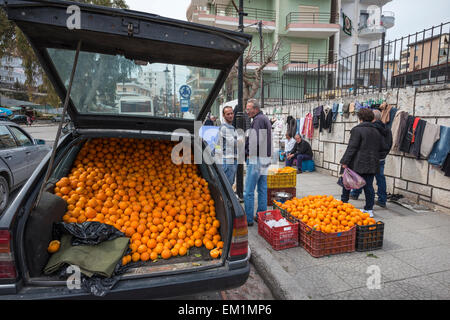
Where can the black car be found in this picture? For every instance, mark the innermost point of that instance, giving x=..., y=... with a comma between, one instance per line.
x=18, y=118
x=110, y=44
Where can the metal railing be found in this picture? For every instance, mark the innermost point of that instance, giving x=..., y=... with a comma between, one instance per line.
x=252, y=13
x=311, y=17
x=421, y=58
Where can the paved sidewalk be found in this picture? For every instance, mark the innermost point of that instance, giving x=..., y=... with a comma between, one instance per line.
x=414, y=262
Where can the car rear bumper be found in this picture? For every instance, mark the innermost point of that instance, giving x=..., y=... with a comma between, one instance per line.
x=221, y=278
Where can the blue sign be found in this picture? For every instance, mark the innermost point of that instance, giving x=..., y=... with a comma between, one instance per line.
x=185, y=91
x=184, y=104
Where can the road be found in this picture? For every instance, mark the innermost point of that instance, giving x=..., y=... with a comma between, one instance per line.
x=253, y=289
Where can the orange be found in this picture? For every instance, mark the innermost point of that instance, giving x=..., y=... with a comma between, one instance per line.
x=135, y=257
x=166, y=254
x=153, y=255
x=214, y=253
x=198, y=243
x=54, y=246
x=145, y=256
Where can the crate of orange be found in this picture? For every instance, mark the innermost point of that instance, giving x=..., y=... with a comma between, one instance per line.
x=281, y=237
x=319, y=244
x=326, y=225
x=282, y=178
x=369, y=237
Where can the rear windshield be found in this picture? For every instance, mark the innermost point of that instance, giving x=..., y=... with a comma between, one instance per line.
x=106, y=84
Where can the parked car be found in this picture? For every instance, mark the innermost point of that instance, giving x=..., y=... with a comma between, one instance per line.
x=59, y=117
x=20, y=154
x=19, y=119
x=112, y=40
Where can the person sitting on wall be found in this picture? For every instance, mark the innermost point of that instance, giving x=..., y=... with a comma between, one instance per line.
x=301, y=151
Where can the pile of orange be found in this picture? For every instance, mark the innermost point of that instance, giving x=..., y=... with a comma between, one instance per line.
x=282, y=170
x=132, y=184
x=325, y=213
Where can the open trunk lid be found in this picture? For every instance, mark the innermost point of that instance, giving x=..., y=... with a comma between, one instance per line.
x=135, y=70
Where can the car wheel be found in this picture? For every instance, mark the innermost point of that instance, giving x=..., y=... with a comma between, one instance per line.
x=4, y=193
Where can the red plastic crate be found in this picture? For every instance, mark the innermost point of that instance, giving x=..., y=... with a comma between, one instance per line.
x=278, y=237
x=319, y=244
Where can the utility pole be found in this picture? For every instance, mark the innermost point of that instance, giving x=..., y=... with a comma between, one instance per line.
x=261, y=56
x=239, y=113
x=174, y=100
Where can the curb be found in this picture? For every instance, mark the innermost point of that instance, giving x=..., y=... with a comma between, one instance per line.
x=275, y=277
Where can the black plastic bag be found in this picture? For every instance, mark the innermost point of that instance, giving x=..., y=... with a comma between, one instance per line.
x=86, y=233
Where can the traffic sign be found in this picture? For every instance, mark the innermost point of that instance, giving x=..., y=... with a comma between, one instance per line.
x=184, y=104
x=185, y=91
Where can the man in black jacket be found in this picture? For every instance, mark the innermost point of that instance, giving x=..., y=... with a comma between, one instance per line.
x=379, y=177
x=301, y=151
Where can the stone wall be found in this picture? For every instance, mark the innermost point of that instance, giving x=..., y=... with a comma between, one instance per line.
x=416, y=180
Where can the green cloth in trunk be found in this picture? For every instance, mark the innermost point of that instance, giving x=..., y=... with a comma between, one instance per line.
x=100, y=259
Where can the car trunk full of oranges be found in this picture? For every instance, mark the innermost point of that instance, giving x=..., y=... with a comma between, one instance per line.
x=164, y=208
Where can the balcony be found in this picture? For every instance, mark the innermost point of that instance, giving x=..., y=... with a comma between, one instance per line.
x=388, y=19
x=226, y=16
x=312, y=25
x=303, y=62
x=371, y=32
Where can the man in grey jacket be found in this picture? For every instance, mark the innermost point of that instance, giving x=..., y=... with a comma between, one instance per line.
x=226, y=149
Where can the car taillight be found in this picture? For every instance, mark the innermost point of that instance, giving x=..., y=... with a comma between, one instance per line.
x=239, y=241
x=7, y=267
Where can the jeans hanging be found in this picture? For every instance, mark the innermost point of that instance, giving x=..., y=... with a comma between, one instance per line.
x=441, y=148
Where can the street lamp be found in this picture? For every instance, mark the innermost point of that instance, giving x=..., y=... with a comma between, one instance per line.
x=167, y=83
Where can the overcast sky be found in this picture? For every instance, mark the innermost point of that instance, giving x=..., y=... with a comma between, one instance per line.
x=410, y=15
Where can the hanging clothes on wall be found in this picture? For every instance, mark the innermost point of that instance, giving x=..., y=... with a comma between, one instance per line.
x=405, y=141
x=392, y=114
x=446, y=166
x=441, y=148
x=345, y=110
x=326, y=119
x=385, y=112
x=308, y=127
x=291, y=126
x=417, y=138
x=431, y=134
x=302, y=123
x=316, y=116
x=398, y=129
x=351, y=108
x=334, y=111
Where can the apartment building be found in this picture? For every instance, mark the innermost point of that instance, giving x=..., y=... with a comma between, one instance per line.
x=428, y=57
x=308, y=31
x=11, y=71
x=363, y=23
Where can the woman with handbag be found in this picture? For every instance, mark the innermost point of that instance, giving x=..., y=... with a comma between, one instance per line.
x=363, y=156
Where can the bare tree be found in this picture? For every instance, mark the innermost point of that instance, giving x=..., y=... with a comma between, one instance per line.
x=251, y=78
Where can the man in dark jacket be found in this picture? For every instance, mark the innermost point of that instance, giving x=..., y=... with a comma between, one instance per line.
x=301, y=151
x=363, y=156
x=258, y=148
x=379, y=177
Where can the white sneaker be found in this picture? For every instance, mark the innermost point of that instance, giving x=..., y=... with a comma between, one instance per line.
x=370, y=212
